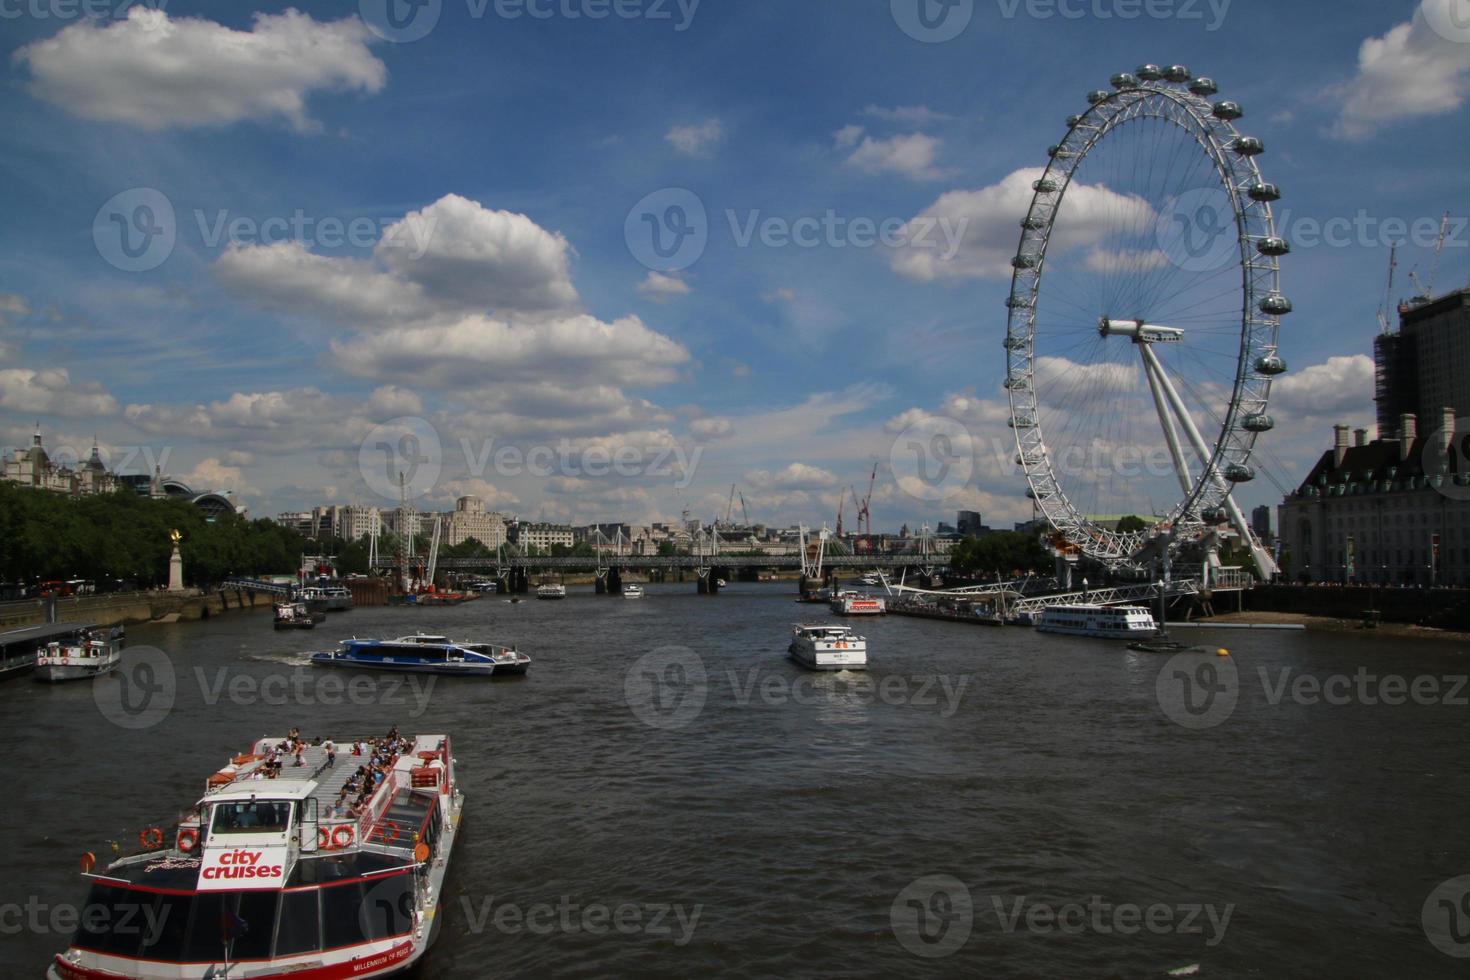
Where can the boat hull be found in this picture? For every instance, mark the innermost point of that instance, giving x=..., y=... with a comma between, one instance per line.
x=406, y=666
x=56, y=673
x=825, y=660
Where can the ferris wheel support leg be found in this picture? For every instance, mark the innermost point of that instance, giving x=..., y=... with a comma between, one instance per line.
x=1171, y=435
x=1263, y=559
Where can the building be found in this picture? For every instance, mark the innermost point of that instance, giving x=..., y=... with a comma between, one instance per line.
x=34, y=468
x=969, y=524
x=357, y=522
x=540, y=536
x=1425, y=365
x=1261, y=522
x=401, y=522
x=469, y=520
x=1393, y=510
x=214, y=503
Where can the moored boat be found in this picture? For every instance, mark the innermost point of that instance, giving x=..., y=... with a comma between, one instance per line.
x=91, y=651
x=849, y=603
x=313, y=870
x=633, y=591
x=828, y=648
x=1091, y=619
x=551, y=590
x=295, y=616
x=426, y=653
x=19, y=648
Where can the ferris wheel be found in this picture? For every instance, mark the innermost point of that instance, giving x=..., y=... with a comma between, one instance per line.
x=1143, y=315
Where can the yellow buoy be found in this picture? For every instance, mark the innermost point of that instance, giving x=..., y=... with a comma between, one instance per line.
x=1222, y=652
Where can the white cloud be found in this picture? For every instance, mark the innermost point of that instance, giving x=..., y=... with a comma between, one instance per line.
x=1102, y=381
x=660, y=288
x=847, y=137
x=51, y=391
x=493, y=497
x=1419, y=68
x=709, y=430
x=991, y=222
x=909, y=156
x=911, y=115
x=12, y=304
x=796, y=476
x=1341, y=385
x=155, y=72
x=696, y=140
x=210, y=474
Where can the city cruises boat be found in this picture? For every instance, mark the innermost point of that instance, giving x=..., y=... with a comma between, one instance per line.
x=633, y=591
x=551, y=590
x=850, y=603
x=19, y=648
x=872, y=579
x=425, y=653
x=828, y=648
x=277, y=872
x=1090, y=619
x=91, y=651
x=295, y=616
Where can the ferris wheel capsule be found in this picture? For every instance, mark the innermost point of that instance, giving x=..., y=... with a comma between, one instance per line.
x=1123, y=80
x=1204, y=87
x=1096, y=96
x=1227, y=111
x=1149, y=73
x=1177, y=74
x=1248, y=146
x=1275, y=304
x=1263, y=193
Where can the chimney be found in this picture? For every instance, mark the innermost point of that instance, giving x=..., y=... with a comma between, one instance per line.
x=1360, y=437
x=1446, y=429
x=1408, y=432
x=1339, y=445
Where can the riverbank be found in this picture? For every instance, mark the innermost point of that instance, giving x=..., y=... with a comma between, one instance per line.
x=131, y=608
x=1333, y=624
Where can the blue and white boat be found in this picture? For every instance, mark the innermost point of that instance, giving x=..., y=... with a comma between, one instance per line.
x=426, y=653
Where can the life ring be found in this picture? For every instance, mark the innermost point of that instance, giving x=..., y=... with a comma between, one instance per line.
x=89, y=861
x=392, y=832
x=152, y=838
x=323, y=839
x=342, y=836
x=188, y=838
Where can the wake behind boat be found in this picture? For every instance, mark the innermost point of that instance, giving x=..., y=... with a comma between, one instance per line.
x=426, y=653
x=330, y=866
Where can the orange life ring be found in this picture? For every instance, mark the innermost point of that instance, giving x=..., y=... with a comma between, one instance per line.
x=342, y=836
x=89, y=861
x=323, y=839
x=152, y=838
x=188, y=838
x=392, y=832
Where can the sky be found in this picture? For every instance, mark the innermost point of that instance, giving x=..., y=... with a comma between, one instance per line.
x=598, y=260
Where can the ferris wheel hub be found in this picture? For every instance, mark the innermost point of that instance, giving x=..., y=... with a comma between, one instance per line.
x=1138, y=331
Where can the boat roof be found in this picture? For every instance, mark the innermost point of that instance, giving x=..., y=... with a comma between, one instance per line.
x=314, y=778
x=42, y=633
x=823, y=628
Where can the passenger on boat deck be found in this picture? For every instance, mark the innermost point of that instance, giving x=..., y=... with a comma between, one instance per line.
x=331, y=748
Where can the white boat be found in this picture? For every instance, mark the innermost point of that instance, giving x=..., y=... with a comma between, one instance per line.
x=551, y=591
x=276, y=872
x=632, y=591
x=849, y=603
x=872, y=579
x=1090, y=619
x=828, y=648
x=89, y=652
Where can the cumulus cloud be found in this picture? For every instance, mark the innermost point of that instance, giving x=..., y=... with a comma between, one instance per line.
x=1340, y=385
x=990, y=222
x=909, y=115
x=156, y=72
x=1419, y=68
x=12, y=304
x=660, y=288
x=210, y=474
x=910, y=156
x=51, y=391
x=796, y=476
x=711, y=429
x=696, y=140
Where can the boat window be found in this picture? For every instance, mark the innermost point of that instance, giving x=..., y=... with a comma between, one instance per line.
x=255, y=920
x=301, y=930
x=164, y=937
x=387, y=906
x=114, y=921
x=208, y=929
x=252, y=817
x=342, y=919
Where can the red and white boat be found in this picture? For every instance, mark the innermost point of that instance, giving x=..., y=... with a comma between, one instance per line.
x=850, y=603
x=269, y=876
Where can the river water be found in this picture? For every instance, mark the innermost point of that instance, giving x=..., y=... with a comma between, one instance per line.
x=665, y=795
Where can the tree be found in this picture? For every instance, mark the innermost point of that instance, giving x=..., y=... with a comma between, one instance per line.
x=1006, y=553
x=1131, y=524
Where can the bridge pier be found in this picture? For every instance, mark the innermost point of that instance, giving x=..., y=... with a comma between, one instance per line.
x=809, y=587
x=708, y=583
x=614, y=581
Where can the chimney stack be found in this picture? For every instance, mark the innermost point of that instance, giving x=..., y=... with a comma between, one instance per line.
x=1446, y=429
x=1360, y=437
x=1408, y=432
x=1339, y=445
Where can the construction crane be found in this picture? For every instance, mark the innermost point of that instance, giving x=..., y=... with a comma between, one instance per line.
x=1393, y=262
x=865, y=516
x=841, y=499
x=743, y=512
x=730, y=507
x=1426, y=288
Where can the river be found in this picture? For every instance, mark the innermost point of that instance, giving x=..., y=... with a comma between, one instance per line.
x=665, y=795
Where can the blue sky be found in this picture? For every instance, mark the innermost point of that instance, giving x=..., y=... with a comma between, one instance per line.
x=517, y=147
